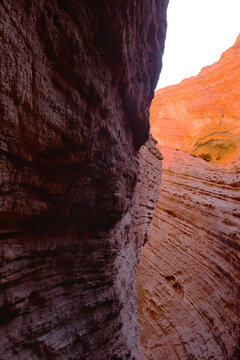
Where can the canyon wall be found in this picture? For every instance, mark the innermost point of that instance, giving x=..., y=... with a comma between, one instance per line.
x=76, y=82
x=189, y=275
x=201, y=115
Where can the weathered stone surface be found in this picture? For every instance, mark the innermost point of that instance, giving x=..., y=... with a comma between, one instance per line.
x=189, y=275
x=201, y=115
x=71, y=293
x=149, y=179
x=76, y=82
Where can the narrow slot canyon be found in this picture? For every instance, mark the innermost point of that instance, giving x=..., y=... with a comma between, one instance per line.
x=119, y=215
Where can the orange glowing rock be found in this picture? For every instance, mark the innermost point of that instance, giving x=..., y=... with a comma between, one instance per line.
x=201, y=115
x=188, y=278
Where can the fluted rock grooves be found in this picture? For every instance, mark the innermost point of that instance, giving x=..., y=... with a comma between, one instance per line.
x=76, y=82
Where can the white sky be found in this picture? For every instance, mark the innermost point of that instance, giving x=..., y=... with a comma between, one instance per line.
x=198, y=32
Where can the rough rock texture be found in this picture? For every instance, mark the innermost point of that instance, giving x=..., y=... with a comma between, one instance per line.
x=76, y=81
x=73, y=295
x=149, y=179
x=189, y=275
x=201, y=115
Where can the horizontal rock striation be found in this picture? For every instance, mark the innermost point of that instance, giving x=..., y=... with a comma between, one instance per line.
x=188, y=278
x=149, y=179
x=71, y=293
x=189, y=275
x=76, y=82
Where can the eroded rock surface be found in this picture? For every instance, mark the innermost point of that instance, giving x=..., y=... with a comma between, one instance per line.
x=76, y=82
x=189, y=275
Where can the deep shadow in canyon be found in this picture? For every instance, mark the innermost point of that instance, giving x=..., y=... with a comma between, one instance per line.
x=76, y=82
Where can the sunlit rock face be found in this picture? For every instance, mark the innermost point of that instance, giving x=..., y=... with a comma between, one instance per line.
x=189, y=275
x=201, y=115
x=76, y=82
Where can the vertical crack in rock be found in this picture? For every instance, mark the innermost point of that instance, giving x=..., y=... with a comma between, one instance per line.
x=76, y=82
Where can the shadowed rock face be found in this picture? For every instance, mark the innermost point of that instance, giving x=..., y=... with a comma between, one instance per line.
x=76, y=82
x=75, y=93
x=189, y=274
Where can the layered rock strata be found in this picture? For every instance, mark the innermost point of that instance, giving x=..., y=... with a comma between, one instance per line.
x=76, y=82
x=71, y=293
x=189, y=274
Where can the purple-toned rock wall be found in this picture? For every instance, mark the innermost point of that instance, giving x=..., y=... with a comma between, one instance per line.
x=76, y=83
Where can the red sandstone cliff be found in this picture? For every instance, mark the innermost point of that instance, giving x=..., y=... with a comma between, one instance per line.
x=201, y=115
x=189, y=275
x=76, y=82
